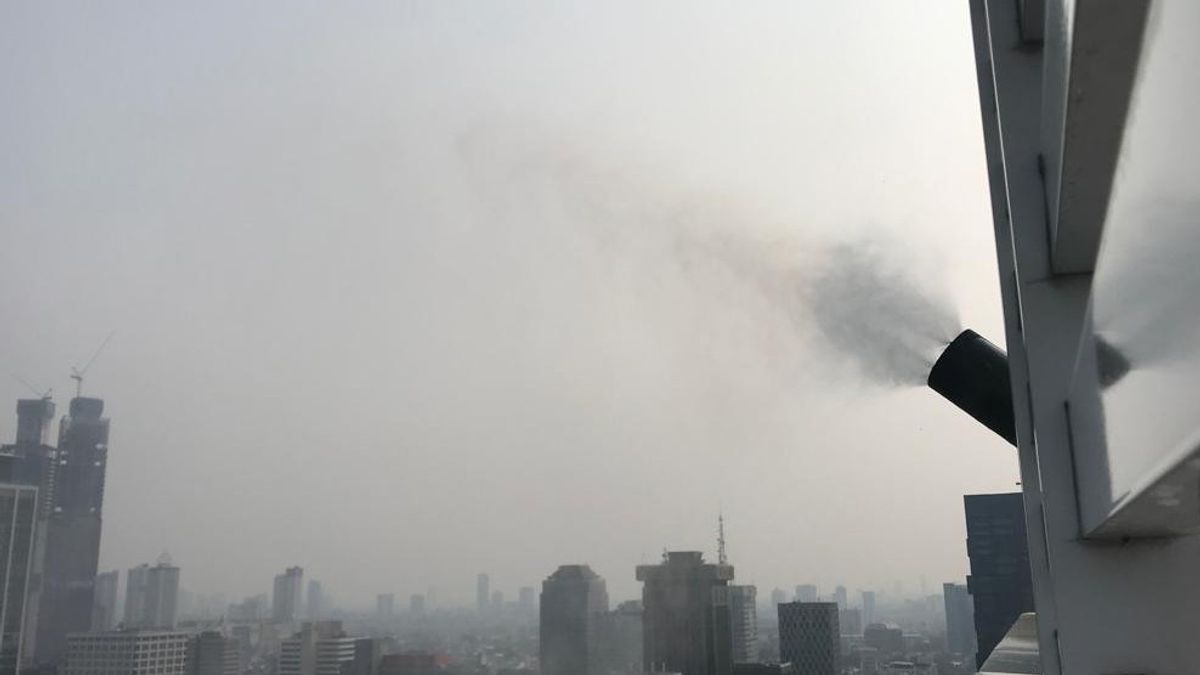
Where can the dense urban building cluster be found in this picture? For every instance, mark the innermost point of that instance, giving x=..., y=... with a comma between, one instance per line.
x=61, y=614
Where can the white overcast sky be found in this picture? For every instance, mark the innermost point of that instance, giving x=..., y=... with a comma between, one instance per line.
x=397, y=292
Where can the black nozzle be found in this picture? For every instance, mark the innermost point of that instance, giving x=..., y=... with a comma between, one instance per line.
x=973, y=374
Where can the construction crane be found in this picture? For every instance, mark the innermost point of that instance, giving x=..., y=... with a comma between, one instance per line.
x=78, y=373
x=44, y=395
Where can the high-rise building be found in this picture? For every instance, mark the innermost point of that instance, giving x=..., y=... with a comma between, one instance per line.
x=806, y=593
x=809, y=637
x=686, y=622
x=482, y=592
x=18, y=532
x=960, y=619
x=868, y=607
x=620, y=638
x=527, y=600
x=215, y=654
x=850, y=622
x=319, y=648
x=840, y=597
x=285, y=602
x=29, y=461
x=497, y=600
x=1000, y=584
x=778, y=597
x=152, y=595
x=385, y=605
x=743, y=614
x=315, y=606
x=140, y=652
x=573, y=600
x=34, y=416
x=72, y=551
x=416, y=603
x=104, y=604
x=162, y=595
x=368, y=654
x=135, y=595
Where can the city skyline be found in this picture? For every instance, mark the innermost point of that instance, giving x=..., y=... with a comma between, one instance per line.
x=472, y=276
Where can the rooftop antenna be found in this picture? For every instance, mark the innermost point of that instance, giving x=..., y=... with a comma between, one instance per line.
x=721, y=559
x=44, y=395
x=78, y=373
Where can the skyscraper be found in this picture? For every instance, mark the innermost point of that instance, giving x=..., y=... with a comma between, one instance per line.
x=743, y=614
x=285, y=601
x=18, y=530
x=573, y=600
x=1000, y=583
x=806, y=593
x=315, y=605
x=104, y=604
x=482, y=592
x=686, y=622
x=868, y=608
x=960, y=619
x=385, y=605
x=135, y=595
x=809, y=637
x=778, y=597
x=73, y=530
x=162, y=595
x=416, y=603
x=620, y=638
x=839, y=596
x=527, y=600
x=152, y=595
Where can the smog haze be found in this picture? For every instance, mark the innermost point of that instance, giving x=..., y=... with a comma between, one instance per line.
x=405, y=292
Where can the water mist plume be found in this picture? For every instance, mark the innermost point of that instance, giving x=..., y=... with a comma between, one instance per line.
x=870, y=309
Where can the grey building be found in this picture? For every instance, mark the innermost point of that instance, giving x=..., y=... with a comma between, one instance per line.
x=840, y=597
x=527, y=600
x=686, y=622
x=743, y=616
x=131, y=652
x=806, y=593
x=315, y=605
x=319, y=648
x=31, y=462
x=620, y=638
x=72, y=550
x=162, y=595
x=850, y=622
x=104, y=603
x=1000, y=583
x=135, y=595
x=482, y=592
x=778, y=597
x=285, y=601
x=960, y=619
x=18, y=532
x=810, y=637
x=416, y=603
x=385, y=605
x=574, y=598
x=213, y=653
x=868, y=608
x=152, y=595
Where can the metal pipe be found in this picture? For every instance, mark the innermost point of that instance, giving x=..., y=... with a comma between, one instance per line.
x=972, y=373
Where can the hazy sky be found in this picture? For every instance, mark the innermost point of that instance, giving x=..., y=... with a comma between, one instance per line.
x=407, y=291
